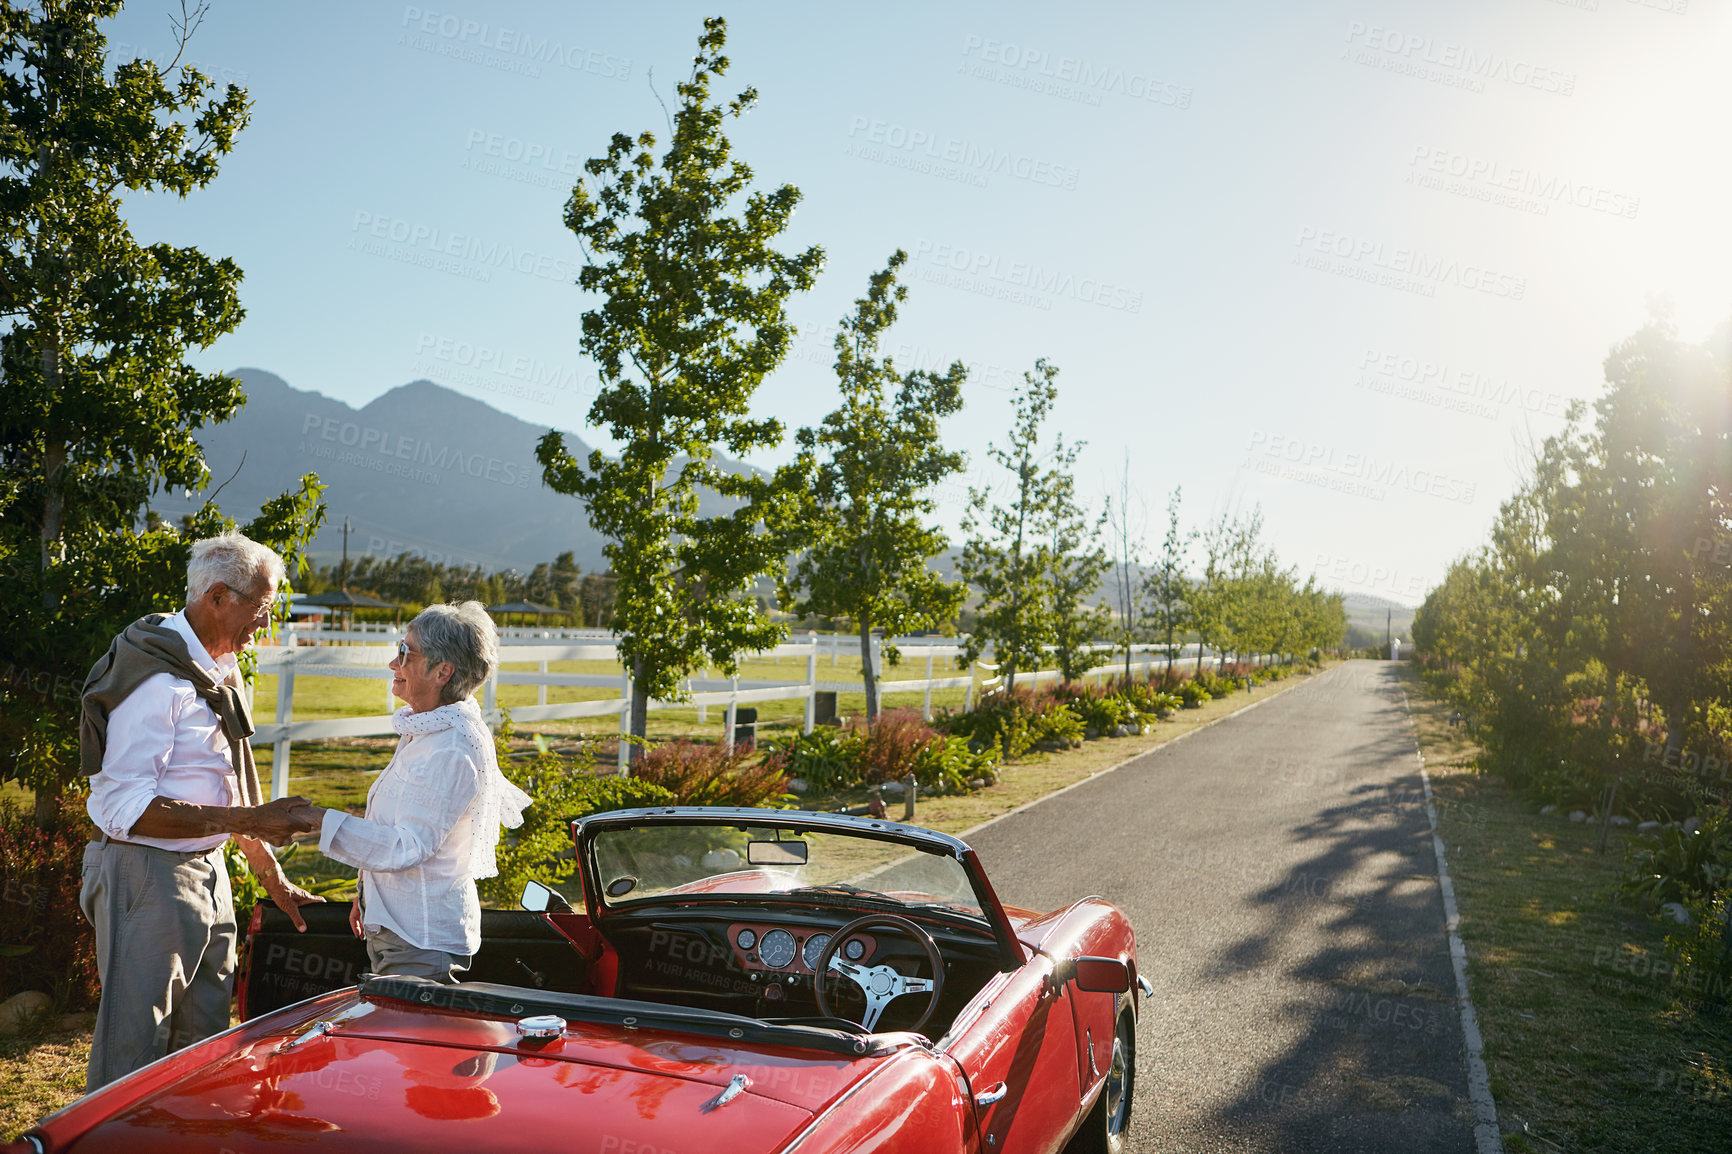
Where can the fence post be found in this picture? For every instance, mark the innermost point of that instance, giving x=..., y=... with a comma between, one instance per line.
x=541, y=690
x=285, y=714
x=625, y=723
x=490, y=692
x=733, y=704
x=926, y=705
x=812, y=684
x=703, y=710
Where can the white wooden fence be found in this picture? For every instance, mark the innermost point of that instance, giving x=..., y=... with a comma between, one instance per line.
x=369, y=660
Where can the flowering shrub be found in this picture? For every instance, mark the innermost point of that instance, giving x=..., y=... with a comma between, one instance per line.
x=701, y=773
x=46, y=944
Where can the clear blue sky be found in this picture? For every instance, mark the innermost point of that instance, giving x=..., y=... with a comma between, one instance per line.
x=1342, y=260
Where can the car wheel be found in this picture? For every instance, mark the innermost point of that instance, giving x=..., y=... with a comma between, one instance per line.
x=1107, y=1128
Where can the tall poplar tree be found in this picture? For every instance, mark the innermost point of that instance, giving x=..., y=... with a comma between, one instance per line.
x=99, y=404
x=690, y=320
x=869, y=498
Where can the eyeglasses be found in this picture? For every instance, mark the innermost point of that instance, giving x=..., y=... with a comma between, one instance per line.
x=404, y=652
x=261, y=605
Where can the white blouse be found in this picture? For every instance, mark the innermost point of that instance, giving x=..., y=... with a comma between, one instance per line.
x=431, y=829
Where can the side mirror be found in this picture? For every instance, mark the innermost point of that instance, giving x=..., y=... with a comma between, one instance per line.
x=538, y=898
x=1102, y=975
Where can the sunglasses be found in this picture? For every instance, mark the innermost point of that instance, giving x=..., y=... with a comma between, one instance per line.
x=404, y=652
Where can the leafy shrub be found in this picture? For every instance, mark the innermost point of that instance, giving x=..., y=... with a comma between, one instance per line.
x=998, y=722
x=563, y=789
x=702, y=773
x=46, y=944
x=828, y=757
x=1192, y=694
x=1216, y=685
x=1102, y=709
x=901, y=742
x=249, y=891
x=1704, y=950
x=1670, y=865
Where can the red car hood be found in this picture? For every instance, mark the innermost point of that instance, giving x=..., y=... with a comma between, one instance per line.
x=407, y=1079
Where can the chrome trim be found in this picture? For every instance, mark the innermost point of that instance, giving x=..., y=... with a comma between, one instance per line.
x=1143, y=985
x=541, y=1026
x=991, y=1095
x=736, y=1085
x=323, y=1027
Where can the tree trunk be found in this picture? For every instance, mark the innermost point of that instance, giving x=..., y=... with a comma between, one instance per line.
x=868, y=672
x=48, y=805
x=639, y=712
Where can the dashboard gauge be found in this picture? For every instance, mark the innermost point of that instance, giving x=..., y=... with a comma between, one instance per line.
x=777, y=949
x=855, y=949
x=815, y=946
x=746, y=939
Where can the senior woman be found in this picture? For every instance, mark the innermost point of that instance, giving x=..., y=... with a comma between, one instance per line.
x=433, y=815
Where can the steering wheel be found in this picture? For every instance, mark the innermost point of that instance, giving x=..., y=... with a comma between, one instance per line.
x=881, y=984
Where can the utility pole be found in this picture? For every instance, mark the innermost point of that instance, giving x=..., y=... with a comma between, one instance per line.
x=344, y=581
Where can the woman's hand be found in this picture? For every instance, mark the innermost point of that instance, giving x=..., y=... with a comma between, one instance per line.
x=355, y=918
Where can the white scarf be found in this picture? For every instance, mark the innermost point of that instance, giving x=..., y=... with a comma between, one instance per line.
x=498, y=802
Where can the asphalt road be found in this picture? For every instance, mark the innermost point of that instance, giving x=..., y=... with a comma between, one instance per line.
x=1279, y=872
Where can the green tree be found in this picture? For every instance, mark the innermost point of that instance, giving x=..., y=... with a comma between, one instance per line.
x=100, y=405
x=1007, y=559
x=881, y=455
x=1167, y=588
x=691, y=319
x=1076, y=562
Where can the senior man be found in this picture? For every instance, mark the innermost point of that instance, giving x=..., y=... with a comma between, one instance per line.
x=164, y=736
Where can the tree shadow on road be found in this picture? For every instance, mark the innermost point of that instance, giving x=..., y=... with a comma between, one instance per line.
x=1358, y=924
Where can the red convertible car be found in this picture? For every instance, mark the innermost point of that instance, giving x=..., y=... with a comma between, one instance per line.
x=729, y=980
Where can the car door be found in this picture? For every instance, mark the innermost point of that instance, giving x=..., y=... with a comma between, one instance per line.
x=1019, y=1055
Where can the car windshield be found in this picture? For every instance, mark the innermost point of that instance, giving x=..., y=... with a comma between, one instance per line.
x=650, y=861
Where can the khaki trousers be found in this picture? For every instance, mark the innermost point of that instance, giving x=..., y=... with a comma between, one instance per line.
x=165, y=952
x=389, y=954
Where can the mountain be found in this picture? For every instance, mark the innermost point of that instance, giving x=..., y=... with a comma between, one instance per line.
x=419, y=469
x=1370, y=617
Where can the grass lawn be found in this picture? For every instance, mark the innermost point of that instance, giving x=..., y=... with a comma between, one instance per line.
x=1586, y=1043
x=45, y=1072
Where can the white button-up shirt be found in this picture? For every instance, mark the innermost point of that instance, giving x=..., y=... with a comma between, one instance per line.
x=414, y=846
x=165, y=741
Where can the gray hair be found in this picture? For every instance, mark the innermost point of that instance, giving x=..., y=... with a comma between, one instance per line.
x=462, y=634
x=235, y=560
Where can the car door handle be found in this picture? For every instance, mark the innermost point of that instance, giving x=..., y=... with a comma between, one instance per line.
x=995, y=1094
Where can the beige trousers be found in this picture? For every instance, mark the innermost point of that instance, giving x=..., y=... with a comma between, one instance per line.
x=165, y=952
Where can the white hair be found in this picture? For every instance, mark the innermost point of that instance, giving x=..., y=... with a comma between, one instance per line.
x=235, y=560
x=462, y=634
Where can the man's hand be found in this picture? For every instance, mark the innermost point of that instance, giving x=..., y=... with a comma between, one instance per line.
x=277, y=821
x=289, y=897
x=355, y=918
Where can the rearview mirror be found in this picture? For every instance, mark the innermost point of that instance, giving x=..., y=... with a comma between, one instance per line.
x=776, y=853
x=1102, y=975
